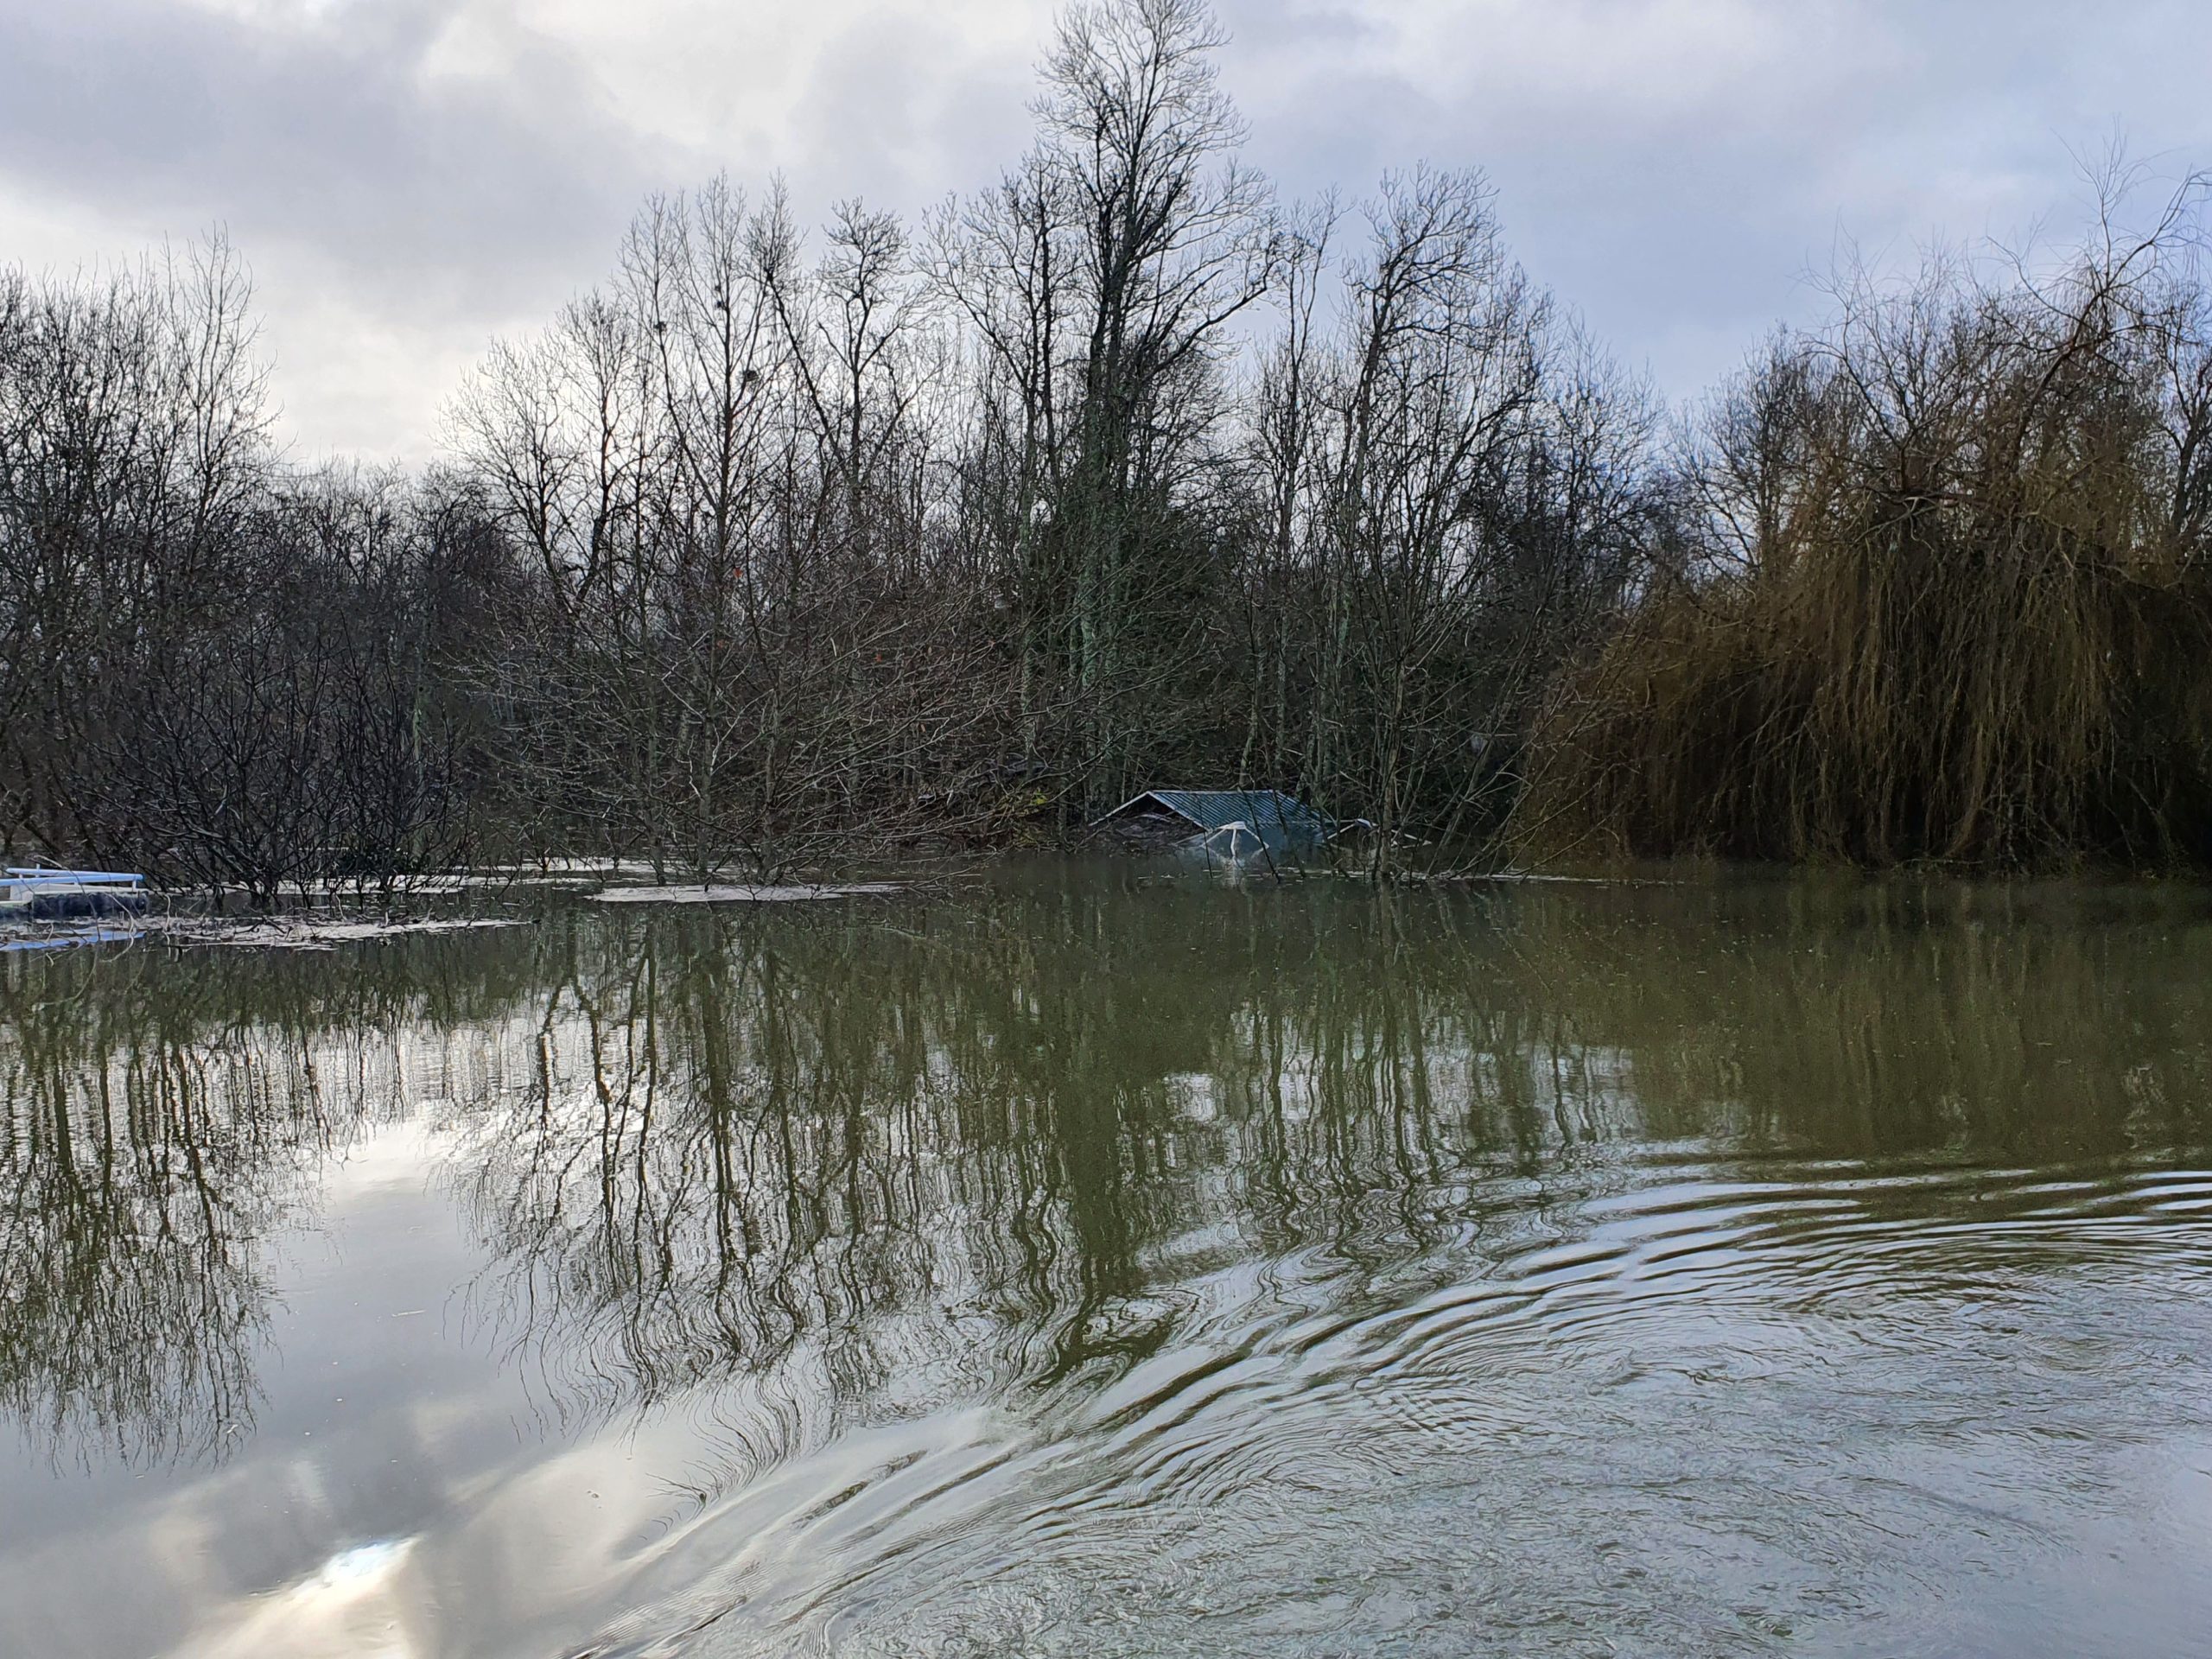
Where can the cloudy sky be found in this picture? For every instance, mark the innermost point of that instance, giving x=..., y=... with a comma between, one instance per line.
x=409, y=178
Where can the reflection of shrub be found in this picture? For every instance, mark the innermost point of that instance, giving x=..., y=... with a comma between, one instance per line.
x=1949, y=599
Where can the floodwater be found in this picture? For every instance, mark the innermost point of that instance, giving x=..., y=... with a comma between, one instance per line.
x=1062, y=1264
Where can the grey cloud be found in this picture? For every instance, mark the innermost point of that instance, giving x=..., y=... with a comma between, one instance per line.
x=902, y=112
x=328, y=134
x=1672, y=168
x=1293, y=25
x=1684, y=225
x=862, y=120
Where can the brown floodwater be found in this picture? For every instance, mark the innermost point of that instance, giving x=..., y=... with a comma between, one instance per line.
x=1069, y=1262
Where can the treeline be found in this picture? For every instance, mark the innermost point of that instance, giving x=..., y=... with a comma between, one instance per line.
x=784, y=544
x=212, y=665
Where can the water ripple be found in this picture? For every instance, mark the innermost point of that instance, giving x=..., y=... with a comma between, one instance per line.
x=1675, y=1372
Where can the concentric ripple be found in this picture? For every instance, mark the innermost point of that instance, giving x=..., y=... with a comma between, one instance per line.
x=1697, y=1413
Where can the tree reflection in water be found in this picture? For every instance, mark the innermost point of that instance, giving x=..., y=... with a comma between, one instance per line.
x=871, y=1164
x=161, y=1118
x=864, y=1162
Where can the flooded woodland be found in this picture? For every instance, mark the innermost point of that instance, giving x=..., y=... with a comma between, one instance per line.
x=1072, y=1261
x=1719, y=1165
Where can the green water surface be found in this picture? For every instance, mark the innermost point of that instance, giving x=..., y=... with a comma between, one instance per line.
x=1068, y=1262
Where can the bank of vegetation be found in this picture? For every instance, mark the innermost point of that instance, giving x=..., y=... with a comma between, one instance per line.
x=797, y=542
x=1944, y=593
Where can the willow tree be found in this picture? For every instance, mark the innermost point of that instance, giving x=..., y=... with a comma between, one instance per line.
x=1945, y=591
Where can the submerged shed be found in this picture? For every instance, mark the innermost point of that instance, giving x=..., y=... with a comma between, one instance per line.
x=1244, y=821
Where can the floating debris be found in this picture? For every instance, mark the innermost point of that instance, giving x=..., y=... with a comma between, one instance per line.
x=279, y=933
x=740, y=895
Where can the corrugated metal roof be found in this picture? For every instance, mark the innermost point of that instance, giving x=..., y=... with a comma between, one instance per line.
x=1262, y=809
